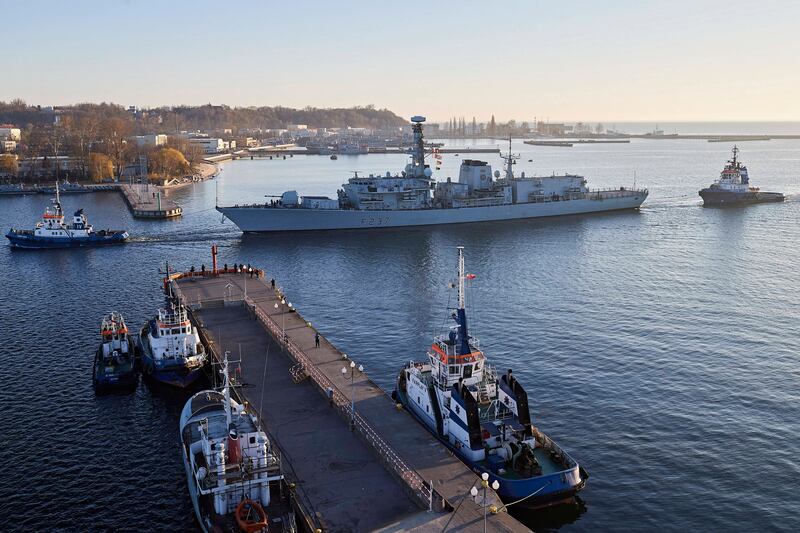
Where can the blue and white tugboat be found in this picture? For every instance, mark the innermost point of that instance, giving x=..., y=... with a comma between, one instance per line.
x=231, y=469
x=53, y=232
x=484, y=418
x=114, y=361
x=171, y=349
x=733, y=187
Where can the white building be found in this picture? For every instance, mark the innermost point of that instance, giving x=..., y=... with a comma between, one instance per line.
x=211, y=145
x=156, y=139
x=10, y=133
x=8, y=146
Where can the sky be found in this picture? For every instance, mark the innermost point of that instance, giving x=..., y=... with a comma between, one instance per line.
x=702, y=60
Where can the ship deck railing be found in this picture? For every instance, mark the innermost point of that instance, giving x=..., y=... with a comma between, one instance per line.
x=548, y=444
x=469, y=203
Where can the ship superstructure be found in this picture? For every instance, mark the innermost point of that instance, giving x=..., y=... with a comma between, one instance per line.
x=171, y=349
x=231, y=468
x=733, y=187
x=484, y=417
x=53, y=232
x=413, y=198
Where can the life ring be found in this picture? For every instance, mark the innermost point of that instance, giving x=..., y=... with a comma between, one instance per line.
x=245, y=519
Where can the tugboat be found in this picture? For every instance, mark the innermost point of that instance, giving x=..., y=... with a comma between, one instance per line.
x=231, y=469
x=484, y=419
x=171, y=349
x=52, y=232
x=733, y=187
x=114, y=361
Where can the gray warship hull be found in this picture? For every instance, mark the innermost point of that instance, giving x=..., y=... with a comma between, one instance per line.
x=265, y=218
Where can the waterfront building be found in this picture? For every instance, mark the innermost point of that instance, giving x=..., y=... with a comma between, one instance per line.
x=154, y=140
x=210, y=145
x=9, y=132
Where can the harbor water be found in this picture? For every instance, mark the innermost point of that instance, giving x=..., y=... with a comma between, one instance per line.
x=659, y=347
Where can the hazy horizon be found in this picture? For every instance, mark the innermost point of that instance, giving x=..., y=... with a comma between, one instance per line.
x=707, y=61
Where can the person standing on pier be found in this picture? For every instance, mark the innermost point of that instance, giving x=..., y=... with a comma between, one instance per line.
x=316, y=338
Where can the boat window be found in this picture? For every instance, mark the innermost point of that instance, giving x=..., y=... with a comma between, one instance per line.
x=175, y=331
x=453, y=370
x=467, y=371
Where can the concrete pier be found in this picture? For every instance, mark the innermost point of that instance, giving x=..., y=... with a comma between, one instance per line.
x=149, y=201
x=359, y=463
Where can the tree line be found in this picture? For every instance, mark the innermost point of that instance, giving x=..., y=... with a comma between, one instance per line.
x=97, y=137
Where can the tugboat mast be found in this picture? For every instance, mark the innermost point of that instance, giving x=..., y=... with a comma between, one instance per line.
x=226, y=390
x=461, y=277
x=58, y=199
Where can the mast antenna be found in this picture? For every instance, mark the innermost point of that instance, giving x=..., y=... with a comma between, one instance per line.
x=461, y=277
x=227, y=389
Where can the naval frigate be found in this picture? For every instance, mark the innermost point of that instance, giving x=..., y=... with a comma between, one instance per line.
x=413, y=198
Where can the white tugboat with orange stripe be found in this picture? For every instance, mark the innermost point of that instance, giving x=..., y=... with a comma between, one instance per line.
x=171, y=349
x=53, y=232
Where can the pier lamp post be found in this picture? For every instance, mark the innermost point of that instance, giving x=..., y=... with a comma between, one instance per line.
x=352, y=391
x=485, y=484
x=283, y=320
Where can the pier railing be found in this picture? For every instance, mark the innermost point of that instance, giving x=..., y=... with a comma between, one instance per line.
x=421, y=489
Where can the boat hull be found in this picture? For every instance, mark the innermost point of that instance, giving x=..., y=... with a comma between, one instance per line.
x=169, y=374
x=175, y=376
x=258, y=219
x=115, y=381
x=537, y=491
x=28, y=241
x=717, y=198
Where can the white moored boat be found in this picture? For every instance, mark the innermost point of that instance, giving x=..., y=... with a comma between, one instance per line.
x=233, y=474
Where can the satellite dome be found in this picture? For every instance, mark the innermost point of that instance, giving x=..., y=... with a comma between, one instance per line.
x=496, y=173
x=428, y=172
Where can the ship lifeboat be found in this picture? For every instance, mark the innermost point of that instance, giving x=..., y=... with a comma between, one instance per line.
x=250, y=516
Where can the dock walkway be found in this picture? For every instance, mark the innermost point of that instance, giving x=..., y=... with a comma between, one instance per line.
x=148, y=201
x=305, y=399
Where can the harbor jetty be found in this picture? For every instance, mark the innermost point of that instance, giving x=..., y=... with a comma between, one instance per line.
x=275, y=153
x=355, y=460
x=149, y=201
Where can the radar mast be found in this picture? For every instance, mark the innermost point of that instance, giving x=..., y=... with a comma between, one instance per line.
x=510, y=159
x=417, y=167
